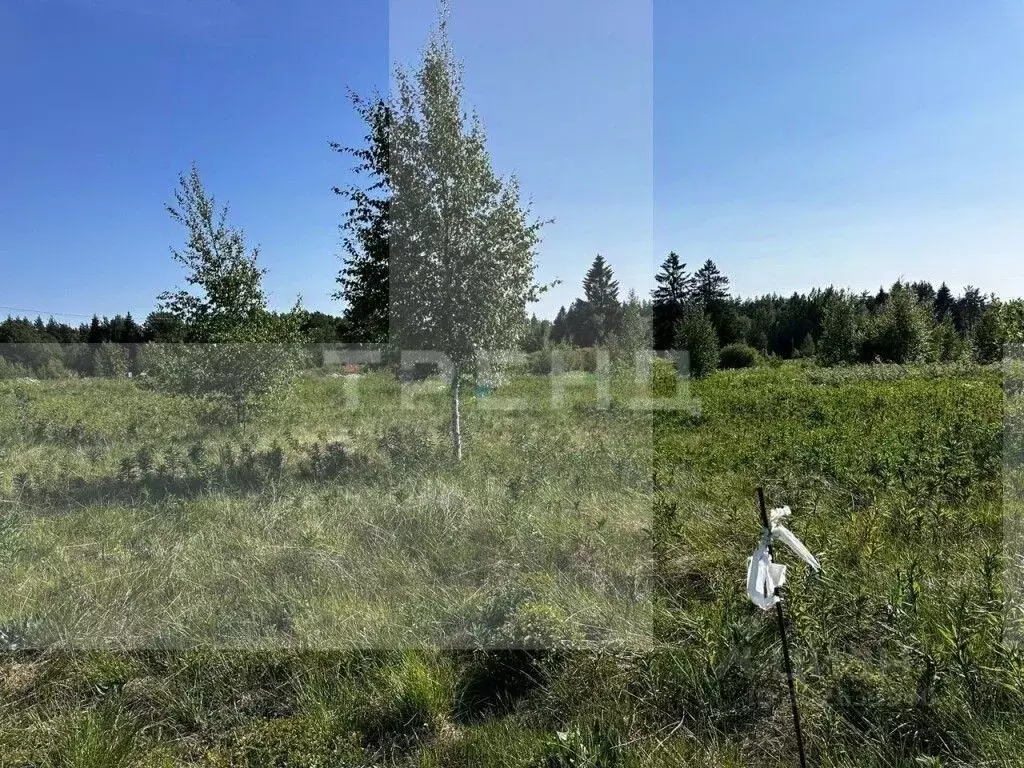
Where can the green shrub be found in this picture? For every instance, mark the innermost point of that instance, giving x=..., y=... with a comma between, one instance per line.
x=696, y=335
x=739, y=355
x=900, y=332
x=54, y=368
x=244, y=377
x=109, y=360
x=12, y=370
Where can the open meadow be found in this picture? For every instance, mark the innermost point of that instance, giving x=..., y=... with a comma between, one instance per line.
x=324, y=587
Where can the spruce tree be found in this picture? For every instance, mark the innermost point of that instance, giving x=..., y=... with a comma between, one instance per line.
x=95, y=333
x=924, y=290
x=559, y=331
x=944, y=303
x=364, y=277
x=968, y=310
x=602, y=296
x=711, y=287
x=808, y=349
x=670, y=296
x=579, y=325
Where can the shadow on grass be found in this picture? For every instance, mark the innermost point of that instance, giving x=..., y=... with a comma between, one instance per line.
x=140, y=479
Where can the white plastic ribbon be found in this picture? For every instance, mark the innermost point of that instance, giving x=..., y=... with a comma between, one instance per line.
x=765, y=576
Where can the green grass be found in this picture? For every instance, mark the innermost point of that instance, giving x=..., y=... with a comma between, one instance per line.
x=326, y=588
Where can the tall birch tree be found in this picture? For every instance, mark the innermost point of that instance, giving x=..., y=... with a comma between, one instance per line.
x=463, y=245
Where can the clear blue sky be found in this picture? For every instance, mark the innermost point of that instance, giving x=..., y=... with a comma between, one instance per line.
x=796, y=144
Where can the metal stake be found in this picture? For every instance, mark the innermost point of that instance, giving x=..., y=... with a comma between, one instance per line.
x=781, y=619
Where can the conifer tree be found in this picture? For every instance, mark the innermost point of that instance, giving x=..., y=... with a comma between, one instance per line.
x=363, y=282
x=670, y=296
x=944, y=303
x=602, y=297
x=711, y=287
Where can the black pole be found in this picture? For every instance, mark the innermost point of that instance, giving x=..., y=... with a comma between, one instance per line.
x=781, y=619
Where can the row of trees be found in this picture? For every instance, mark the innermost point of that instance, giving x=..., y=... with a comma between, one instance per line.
x=906, y=323
x=909, y=322
x=158, y=327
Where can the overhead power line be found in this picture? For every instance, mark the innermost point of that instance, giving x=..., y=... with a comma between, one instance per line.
x=43, y=312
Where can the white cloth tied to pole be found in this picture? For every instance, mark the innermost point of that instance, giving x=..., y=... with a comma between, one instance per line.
x=765, y=576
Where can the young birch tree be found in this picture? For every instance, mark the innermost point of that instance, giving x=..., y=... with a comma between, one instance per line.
x=463, y=246
x=238, y=352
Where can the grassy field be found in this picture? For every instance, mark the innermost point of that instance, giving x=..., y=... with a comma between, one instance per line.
x=326, y=588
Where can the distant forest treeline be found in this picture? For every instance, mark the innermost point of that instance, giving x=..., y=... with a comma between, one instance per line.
x=908, y=322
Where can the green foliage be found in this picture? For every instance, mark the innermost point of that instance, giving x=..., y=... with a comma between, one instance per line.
x=739, y=356
x=674, y=288
x=300, y=741
x=696, y=335
x=946, y=344
x=239, y=354
x=12, y=370
x=54, y=368
x=633, y=334
x=839, y=338
x=363, y=282
x=1012, y=318
x=229, y=281
x=601, y=304
x=110, y=360
x=988, y=335
x=462, y=245
x=576, y=748
x=807, y=349
x=900, y=333
x=410, y=447
x=711, y=287
x=244, y=378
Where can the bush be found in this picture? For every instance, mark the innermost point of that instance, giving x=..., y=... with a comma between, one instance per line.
x=696, y=335
x=11, y=370
x=572, y=358
x=54, y=368
x=739, y=355
x=109, y=360
x=577, y=358
x=246, y=377
x=900, y=332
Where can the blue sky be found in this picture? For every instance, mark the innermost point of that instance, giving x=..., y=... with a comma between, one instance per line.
x=796, y=144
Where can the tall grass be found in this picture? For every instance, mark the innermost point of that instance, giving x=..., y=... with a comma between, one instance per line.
x=395, y=609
